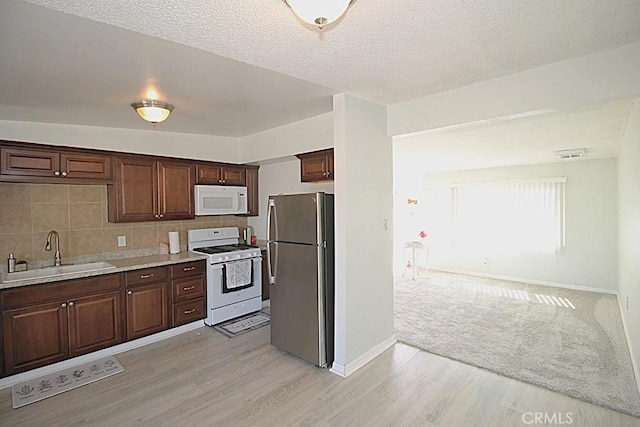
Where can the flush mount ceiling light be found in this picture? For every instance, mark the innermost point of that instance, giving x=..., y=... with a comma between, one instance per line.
x=319, y=12
x=153, y=111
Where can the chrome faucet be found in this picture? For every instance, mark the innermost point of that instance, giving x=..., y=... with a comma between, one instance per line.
x=47, y=247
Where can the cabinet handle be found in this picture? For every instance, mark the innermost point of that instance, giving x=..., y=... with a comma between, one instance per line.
x=129, y=292
x=70, y=303
x=155, y=216
x=188, y=268
x=63, y=305
x=161, y=216
x=57, y=173
x=188, y=288
x=146, y=276
x=64, y=174
x=189, y=311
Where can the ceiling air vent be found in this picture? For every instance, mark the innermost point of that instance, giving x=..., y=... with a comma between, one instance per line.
x=575, y=153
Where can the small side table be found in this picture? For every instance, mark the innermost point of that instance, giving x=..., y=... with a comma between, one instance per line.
x=415, y=247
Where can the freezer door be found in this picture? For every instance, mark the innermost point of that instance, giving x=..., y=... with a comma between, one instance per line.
x=297, y=303
x=295, y=218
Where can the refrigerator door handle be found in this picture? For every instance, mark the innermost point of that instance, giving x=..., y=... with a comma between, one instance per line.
x=271, y=271
x=272, y=221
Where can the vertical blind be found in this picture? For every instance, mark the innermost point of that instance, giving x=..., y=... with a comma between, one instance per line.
x=524, y=215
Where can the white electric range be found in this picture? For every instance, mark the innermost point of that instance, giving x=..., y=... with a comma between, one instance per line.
x=234, y=273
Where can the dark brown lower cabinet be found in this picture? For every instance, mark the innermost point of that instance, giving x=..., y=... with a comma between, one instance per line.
x=94, y=323
x=35, y=336
x=48, y=323
x=147, y=309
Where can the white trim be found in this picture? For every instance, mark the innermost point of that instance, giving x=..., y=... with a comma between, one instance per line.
x=120, y=348
x=635, y=367
x=375, y=351
x=531, y=281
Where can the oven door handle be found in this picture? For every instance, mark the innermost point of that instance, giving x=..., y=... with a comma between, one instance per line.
x=271, y=268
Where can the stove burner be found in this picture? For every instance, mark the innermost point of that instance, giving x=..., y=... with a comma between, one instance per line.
x=210, y=250
x=223, y=248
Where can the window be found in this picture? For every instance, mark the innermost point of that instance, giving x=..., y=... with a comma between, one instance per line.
x=524, y=215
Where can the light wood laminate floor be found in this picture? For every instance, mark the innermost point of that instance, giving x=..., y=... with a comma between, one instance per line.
x=204, y=378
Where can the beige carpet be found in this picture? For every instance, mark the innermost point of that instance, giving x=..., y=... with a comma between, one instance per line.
x=564, y=340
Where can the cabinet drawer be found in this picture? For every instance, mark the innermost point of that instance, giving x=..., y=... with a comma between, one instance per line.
x=188, y=288
x=188, y=311
x=147, y=275
x=27, y=295
x=188, y=269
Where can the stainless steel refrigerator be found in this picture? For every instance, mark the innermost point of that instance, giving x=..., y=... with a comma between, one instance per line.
x=300, y=264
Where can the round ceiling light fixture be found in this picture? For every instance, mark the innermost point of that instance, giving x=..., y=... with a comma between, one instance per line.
x=152, y=111
x=319, y=12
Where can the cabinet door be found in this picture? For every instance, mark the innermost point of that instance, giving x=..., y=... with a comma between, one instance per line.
x=330, y=175
x=147, y=310
x=220, y=174
x=94, y=323
x=85, y=166
x=253, y=201
x=233, y=175
x=316, y=166
x=209, y=174
x=133, y=196
x=35, y=336
x=176, y=181
x=29, y=162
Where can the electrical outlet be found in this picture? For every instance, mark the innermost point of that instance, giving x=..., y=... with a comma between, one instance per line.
x=122, y=241
x=485, y=262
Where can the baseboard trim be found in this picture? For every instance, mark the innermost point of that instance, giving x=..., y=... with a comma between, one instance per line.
x=636, y=371
x=520, y=280
x=375, y=351
x=111, y=351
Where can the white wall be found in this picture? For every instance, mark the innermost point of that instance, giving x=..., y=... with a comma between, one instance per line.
x=181, y=145
x=364, y=204
x=314, y=133
x=589, y=259
x=281, y=178
x=629, y=233
x=591, y=79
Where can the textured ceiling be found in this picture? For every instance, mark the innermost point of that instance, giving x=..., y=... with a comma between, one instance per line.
x=386, y=51
x=234, y=67
x=528, y=140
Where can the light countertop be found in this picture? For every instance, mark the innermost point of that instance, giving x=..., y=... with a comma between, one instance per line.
x=122, y=264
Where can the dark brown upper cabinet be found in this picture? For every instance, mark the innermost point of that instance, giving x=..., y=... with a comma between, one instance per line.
x=316, y=166
x=253, y=200
x=149, y=189
x=219, y=174
x=51, y=165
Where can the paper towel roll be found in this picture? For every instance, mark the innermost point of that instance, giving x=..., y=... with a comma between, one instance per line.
x=174, y=242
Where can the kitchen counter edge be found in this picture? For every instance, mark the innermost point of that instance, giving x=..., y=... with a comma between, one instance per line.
x=123, y=264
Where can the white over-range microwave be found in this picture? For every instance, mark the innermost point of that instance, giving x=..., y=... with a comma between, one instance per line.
x=220, y=200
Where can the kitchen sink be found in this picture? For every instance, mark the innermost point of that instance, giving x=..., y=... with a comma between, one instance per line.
x=56, y=271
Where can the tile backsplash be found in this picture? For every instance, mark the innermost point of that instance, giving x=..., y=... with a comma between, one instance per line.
x=79, y=214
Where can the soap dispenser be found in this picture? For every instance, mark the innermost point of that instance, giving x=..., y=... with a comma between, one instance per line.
x=11, y=263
